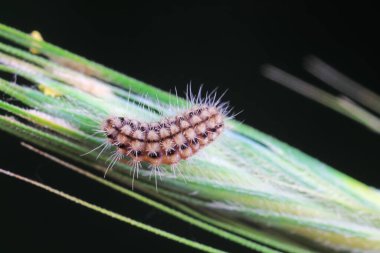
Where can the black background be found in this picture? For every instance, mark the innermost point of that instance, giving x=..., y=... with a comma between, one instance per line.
x=219, y=44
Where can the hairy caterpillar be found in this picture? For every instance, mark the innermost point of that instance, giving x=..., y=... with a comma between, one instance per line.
x=171, y=139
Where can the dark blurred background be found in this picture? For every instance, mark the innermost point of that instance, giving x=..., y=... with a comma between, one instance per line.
x=216, y=43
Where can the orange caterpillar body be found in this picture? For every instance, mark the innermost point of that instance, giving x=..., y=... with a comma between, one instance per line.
x=168, y=141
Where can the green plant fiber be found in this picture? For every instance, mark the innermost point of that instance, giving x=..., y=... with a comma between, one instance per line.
x=246, y=187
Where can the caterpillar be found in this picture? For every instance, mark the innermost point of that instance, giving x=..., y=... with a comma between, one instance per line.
x=167, y=141
x=171, y=139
